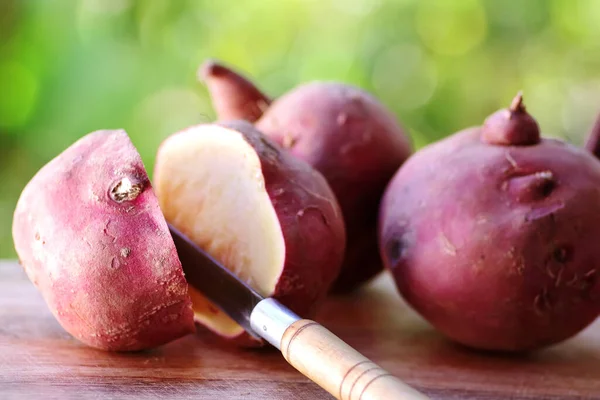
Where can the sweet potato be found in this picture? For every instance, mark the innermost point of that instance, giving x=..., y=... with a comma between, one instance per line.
x=90, y=234
x=357, y=144
x=269, y=217
x=491, y=235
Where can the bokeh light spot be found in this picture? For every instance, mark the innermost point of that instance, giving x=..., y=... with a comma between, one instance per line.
x=451, y=27
x=357, y=7
x=576, y=20
x=163, y=113
x=580, y=109
x=95, y=16
x=545, y=101
x=18, y=94
x=105, y=6
x=404, y=77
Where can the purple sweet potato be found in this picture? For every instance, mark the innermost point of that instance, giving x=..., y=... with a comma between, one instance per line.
x=357, y=144
x=90, y=235
x=491, y=235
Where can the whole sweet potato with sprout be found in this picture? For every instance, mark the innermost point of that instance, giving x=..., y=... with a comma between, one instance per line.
x=491, y=234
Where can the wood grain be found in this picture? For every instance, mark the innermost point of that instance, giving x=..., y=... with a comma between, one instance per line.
x=338, y=368
x=38, y=360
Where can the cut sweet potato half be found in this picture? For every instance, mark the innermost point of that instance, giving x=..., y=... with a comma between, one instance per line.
x=268, y=217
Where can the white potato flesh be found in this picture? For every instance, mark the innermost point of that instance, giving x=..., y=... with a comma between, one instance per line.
x=210, y=186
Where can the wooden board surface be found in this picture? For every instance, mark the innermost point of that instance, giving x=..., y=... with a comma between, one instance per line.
x=38, y=360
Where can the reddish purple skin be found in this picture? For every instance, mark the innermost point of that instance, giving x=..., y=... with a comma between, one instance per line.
x=311, y=222
x=108, y=271
x=357, y=144
x=233, y=96
x=493, y=255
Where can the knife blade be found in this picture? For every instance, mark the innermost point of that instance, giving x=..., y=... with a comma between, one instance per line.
x=306, y=345
x=216, y=282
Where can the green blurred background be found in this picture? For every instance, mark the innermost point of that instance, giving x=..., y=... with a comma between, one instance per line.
x=69, y=67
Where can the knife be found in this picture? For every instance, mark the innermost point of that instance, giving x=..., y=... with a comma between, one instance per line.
x=306, y=345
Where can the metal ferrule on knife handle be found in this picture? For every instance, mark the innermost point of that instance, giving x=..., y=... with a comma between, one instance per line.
x=324, y=358
x=270, y=319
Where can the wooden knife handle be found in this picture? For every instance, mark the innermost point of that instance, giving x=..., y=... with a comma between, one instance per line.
x=338, y=368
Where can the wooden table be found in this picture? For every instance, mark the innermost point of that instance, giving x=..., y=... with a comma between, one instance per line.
x=38, y=360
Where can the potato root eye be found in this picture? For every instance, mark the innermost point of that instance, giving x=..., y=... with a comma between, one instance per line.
x=126, y=190
x=532, y=187
x=395, y=250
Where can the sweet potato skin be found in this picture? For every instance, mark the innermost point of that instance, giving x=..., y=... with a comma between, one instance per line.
x=311, y=221
x=108, y=270
x=496, y=245
x=357, y=144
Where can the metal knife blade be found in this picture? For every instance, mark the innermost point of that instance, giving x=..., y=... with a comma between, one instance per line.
x=234, y=297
